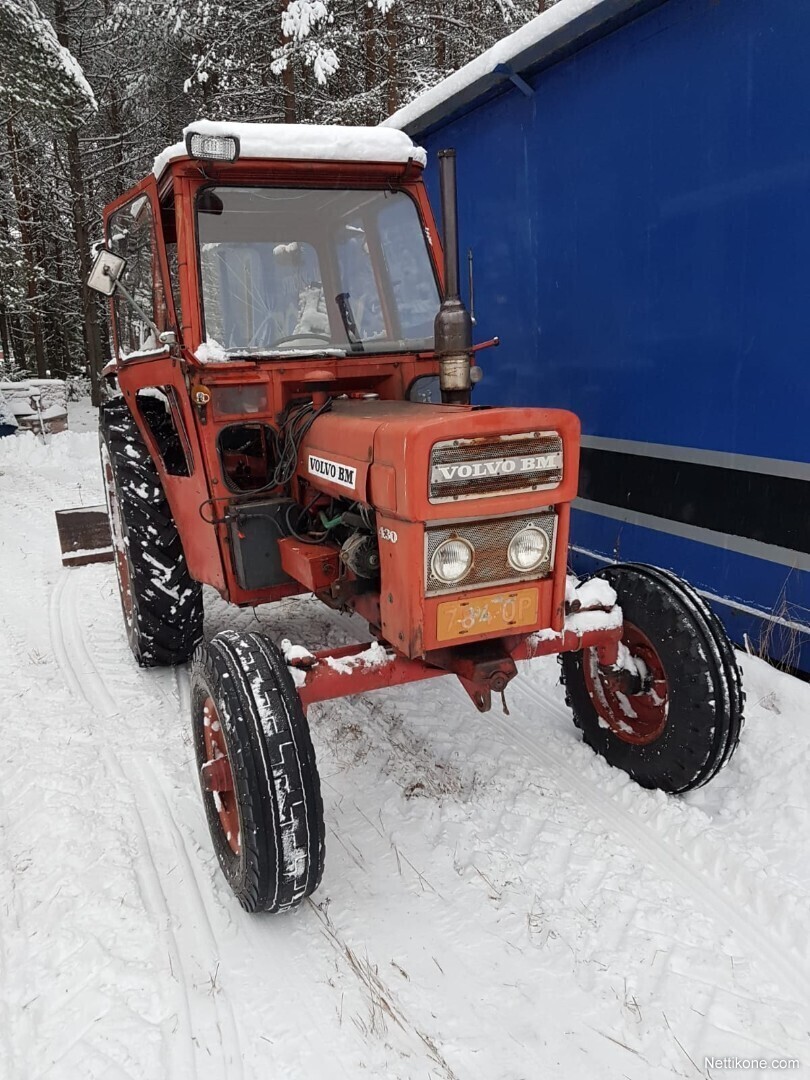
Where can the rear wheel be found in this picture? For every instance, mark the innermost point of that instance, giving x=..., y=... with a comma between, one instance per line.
x=679, y=721
x=258, y=773
x=162, y=604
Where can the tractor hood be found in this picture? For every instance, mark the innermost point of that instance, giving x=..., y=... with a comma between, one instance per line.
x=421, y=462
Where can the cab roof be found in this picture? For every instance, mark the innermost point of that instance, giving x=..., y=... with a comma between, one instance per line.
x=303, y=142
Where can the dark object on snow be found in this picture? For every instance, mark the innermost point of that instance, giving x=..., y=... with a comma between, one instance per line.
x=8, y=419
x=84, y=535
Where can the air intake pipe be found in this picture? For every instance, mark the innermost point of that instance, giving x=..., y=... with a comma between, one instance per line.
x=453, y=326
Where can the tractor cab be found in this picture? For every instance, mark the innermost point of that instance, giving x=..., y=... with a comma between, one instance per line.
x=247, y=256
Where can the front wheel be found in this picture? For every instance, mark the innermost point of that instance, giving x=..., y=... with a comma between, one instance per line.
x=257, y=770
x=680, y=721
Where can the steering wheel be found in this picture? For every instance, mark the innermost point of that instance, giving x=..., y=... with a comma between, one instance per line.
x=299, y=337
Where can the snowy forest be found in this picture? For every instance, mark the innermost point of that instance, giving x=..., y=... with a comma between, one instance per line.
x=91, y=90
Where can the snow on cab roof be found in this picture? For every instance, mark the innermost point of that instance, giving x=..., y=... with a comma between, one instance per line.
x=304, y=142
x=567, y=25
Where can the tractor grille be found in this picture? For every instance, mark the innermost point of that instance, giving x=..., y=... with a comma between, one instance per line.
x=478, y=468
x=490, y=539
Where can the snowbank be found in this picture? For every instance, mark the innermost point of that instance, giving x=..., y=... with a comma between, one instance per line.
x=68, y=456
x=304, y=142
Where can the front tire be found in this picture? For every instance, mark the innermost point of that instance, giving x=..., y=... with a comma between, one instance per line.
x=161, y=602
x=684, y=724
x=257, y=770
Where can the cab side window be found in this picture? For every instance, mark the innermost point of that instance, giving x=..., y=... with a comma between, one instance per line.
x=408, y=264
x=131, y=234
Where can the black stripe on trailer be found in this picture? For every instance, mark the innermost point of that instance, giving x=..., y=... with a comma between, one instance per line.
x=766, y=508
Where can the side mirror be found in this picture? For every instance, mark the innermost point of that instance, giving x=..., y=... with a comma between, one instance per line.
x=208, y=202
x=107, y=269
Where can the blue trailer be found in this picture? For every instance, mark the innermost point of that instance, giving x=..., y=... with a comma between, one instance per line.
x=635, y=188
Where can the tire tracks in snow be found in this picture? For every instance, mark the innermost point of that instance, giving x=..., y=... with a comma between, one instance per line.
x=74, y=659
x=683, y=854
x=774, y=951
x=211, y=1009
x=11, y=918
x=65, y=979
x=182, y=1057
x=165, y=860
x=186, y=939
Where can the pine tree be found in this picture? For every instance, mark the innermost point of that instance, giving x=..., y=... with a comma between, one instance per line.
x=36, y=73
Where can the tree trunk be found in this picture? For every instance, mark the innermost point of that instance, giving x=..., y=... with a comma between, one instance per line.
x=441, y=41
x=4, y=343
x=392, y=45
x=370, y=47
x=24, y=220
x=90, y=325
x=60, y=311
x=17, y=339
x=288, y=80
x=5, y=324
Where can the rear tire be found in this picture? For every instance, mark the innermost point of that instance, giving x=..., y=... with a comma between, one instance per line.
x=684, y=726
x=162, y=604
x=258, y=772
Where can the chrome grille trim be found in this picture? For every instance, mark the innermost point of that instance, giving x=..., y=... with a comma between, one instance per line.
x=483, y=468
x=490, y=539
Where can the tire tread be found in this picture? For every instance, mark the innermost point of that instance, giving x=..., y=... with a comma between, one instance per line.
x=681, y=623
x=167, y=619
x=263, y=720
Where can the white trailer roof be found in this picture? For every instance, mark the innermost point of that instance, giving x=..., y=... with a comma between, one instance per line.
x=304, y=142
x=568, y=25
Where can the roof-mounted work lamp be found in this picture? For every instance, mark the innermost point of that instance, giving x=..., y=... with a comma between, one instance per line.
x=212, y=147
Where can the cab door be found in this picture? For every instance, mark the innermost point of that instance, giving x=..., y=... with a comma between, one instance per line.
x=151, y=371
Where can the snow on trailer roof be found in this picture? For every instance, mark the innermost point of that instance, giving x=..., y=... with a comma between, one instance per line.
x=303, y=142
x=563, y=28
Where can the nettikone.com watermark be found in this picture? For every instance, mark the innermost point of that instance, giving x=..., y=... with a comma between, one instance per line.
x=730, y=1062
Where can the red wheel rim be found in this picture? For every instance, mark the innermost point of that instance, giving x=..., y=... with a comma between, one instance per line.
x=634, y=718
x=217, y=777
x=117, y=533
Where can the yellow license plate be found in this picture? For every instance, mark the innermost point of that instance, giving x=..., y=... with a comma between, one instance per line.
x=486, y=614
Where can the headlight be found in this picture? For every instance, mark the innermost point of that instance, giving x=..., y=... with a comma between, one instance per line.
x=527, y=549
x=452, y=560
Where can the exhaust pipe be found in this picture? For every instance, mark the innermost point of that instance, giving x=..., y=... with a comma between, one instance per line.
x=453, y=325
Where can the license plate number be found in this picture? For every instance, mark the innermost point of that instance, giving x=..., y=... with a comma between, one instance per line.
x=486, y=614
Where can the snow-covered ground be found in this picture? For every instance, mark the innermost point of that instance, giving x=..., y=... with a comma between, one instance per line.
x=497, y=902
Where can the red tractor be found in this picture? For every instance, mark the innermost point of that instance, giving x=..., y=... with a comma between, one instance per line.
x=290, y=414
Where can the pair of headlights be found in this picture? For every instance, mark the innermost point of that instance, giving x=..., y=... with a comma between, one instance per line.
x=454, y=558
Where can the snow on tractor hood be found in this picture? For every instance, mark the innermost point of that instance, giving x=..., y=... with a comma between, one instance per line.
x=304, y=142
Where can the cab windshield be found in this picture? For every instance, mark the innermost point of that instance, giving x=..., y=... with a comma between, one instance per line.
x=313, y=270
